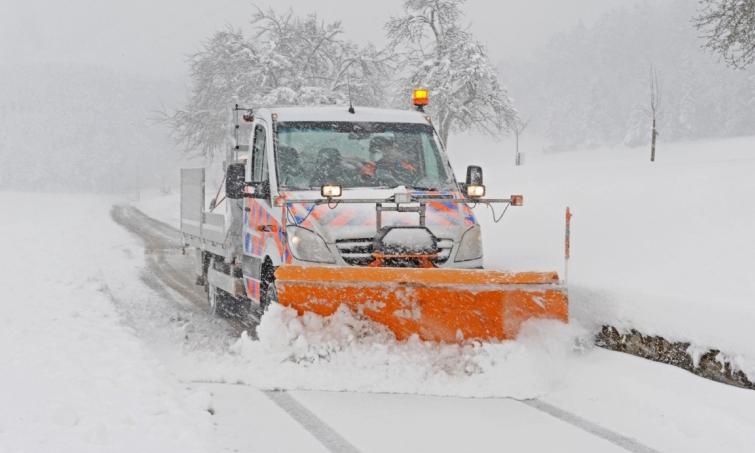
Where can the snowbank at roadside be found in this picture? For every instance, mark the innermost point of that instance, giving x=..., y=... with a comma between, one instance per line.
x=73, y=377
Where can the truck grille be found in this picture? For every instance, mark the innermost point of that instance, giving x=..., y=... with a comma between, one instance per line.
x=358, y=252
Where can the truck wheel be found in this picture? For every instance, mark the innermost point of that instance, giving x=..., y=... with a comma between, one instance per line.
x=269, y=294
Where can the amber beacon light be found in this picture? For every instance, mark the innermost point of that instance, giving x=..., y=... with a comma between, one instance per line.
x=421, y=97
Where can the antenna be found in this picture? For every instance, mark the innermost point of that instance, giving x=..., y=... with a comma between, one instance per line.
x=351, y=105
x=237, y=126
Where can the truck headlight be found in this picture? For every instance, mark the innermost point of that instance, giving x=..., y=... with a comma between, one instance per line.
x=470, y=247
x=307, y=245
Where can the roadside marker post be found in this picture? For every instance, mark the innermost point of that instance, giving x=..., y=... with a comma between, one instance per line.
x=567, y=244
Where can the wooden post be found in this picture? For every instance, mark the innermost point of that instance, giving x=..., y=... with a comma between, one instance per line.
x=519, y=127
x=516, y=156
x=652, y=146
x=567, y=244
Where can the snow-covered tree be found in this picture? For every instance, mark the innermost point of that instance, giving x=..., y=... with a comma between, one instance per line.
x=729, y=29
x=438, y=53
x=220, y=73
x=283, y=60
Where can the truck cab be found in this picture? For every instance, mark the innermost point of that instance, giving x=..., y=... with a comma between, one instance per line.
x=294, y=197
x=369, y=154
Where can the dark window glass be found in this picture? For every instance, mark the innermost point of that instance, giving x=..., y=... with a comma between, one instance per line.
x=259, y=156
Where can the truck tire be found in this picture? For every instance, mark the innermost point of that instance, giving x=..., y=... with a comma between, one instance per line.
x=268, y=293
x=270, y=296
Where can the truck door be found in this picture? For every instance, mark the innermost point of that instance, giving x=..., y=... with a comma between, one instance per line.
x=258, y=223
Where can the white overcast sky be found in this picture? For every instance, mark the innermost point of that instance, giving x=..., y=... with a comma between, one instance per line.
x=154, y=36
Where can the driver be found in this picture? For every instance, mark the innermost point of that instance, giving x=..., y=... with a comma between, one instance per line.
x=388, y=163
x=328, y=168
x=291, y=170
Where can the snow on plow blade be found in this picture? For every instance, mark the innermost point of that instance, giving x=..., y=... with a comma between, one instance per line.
x=445, y=305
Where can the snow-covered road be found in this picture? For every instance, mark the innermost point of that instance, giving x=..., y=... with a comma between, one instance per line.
x=103, y=352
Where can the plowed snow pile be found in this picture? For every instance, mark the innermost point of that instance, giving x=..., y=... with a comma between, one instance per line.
x=343, y=353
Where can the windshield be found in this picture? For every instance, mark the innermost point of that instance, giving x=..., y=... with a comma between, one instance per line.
x=310, y=154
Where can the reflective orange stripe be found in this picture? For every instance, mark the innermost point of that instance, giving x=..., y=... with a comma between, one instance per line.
x=342, y=219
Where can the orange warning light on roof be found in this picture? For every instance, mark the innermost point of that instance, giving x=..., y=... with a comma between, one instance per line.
x=421, y=97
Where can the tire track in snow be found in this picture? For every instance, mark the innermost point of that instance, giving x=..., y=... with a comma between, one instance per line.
x=327, y=436
x=627, y=443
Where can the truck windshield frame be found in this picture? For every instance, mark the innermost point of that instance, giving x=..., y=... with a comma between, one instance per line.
x=357, y=154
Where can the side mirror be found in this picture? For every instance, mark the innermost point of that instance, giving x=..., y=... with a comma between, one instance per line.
x=474, y=187
x=234, y=181
x=474, y=175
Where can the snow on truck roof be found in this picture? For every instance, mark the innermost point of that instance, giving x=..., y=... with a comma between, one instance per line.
x=341, y=114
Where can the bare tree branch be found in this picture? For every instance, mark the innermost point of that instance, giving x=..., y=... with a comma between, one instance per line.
x=728, y=28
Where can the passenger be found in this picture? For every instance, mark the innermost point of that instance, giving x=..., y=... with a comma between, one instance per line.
x=388, y=164
x=368, y=170
x=329, y=156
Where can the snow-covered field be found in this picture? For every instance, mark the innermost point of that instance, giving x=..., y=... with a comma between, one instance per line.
x=73, y=377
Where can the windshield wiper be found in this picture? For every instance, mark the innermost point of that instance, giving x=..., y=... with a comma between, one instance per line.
x=426, y=189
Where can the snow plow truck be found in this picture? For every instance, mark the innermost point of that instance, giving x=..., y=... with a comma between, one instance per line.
x=331, y=206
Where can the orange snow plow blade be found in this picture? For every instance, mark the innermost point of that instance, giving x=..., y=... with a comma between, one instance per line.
x=444, y=305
